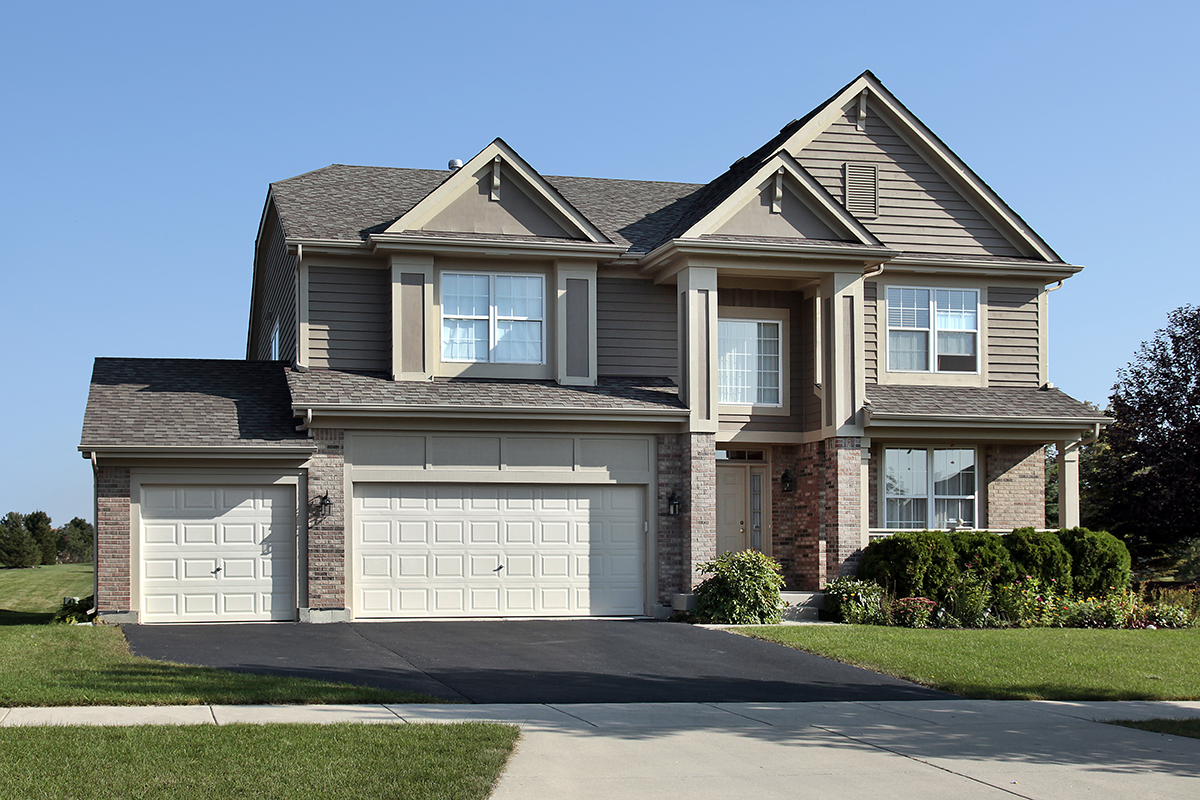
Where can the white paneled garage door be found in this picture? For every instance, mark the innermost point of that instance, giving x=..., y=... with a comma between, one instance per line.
x=218, y=553
x=479, y=550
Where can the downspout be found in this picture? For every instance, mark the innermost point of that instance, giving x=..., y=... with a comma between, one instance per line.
x=308, y=415
x=95, y=535
x=1084, y=442
x=879, y=271
x=1056, y=286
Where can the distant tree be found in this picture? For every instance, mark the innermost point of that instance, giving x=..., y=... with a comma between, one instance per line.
x=1144, y=483
x=1050, y=465
x=17, y=546
x=39, y=527
x=75, y=541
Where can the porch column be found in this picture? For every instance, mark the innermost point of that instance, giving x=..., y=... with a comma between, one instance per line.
x=1068, y=485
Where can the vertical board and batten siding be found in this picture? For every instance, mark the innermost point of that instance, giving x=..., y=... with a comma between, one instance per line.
x=799, y=365
x=278, y=299
x=636, y=328
x=1013, y=352
x=919, y=210
x=808, y=400
x=871, y=331
x=349, y=319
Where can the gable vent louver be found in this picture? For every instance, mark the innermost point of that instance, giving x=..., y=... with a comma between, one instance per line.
x=862, y=189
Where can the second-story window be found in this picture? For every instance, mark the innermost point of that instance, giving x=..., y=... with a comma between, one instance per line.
x=493, y=318
x=932, y=330
x=749, y=362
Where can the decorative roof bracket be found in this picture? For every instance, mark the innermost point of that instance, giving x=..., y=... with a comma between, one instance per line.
x=862, y=110
x=496, y=178
x=777, y=197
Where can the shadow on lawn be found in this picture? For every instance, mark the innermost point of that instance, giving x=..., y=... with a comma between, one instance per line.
x=24, y=617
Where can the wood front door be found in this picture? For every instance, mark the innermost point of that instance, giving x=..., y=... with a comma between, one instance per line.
x=741, y=508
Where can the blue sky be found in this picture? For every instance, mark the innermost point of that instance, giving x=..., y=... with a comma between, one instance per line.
x=138, y=140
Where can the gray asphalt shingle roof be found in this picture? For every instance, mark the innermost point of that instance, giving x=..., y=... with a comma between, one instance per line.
x=965, y=401
x=184, y=402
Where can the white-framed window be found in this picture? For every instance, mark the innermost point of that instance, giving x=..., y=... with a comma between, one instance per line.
x=929, y=487
x=497, y=318
x=750, y=363
x=932, y=330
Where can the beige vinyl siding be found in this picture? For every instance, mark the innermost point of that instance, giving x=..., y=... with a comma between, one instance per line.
x=1012, y=336
x=636, y=328
x=278, y=292
x=919, y=211
x=871, y=331
x=794, y=303
x=349, y=314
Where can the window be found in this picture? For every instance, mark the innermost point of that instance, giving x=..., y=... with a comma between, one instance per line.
x=493, y=318
x=932, y=330
x=912, y=487
x=749, y=362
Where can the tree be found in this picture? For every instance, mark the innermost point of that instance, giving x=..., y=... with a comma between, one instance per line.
x=1144, y=484
x=17, y=546
x=39, y=527
x=75, y=541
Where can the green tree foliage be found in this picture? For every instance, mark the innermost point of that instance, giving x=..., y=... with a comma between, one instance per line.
x=911, y=564
x=1146, y=486
x=17, y=546
x=1041, y=555
x=75, y=541
x=39, y=527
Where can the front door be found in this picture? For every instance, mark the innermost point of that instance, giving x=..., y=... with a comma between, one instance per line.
x=741, y=508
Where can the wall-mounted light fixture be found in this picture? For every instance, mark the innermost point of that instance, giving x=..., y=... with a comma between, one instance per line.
x=787, y=481
x=673, y=504
x=319, y=506
x=326, y=504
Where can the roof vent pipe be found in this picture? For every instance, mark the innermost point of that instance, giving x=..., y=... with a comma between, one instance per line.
x=455, y=164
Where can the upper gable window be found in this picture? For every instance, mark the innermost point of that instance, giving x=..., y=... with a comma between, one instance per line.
x=749, y=362
x=499, y=319
x=932, y=330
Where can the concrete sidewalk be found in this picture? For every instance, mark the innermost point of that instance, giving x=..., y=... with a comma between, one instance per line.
x=900, y=749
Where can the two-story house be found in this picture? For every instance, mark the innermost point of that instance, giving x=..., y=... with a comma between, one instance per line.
x=482, y=391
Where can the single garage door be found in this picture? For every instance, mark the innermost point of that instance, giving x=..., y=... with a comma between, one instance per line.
x=477, y=550
x=218, y=553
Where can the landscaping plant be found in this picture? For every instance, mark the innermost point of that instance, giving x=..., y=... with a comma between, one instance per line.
x=1040, y=554
x=1099, y=561
x=855, y=601
x=911, y=563
x=742, y=589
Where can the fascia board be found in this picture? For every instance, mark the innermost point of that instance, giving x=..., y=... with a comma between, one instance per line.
x=327, y=246
x=392, y=242
x=947, y=420
x=664, y=260
x=438, y=199
x=816, y=193
x=494, y=412
x=1059, y=270
x=917, y=134
x=160, y=451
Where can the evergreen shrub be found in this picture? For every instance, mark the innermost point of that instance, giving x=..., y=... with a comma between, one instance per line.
x=742, y=589
x=1039, y=554
x=911, y=564
x=1099, y=561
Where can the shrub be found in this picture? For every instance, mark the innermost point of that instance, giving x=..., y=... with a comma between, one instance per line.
x=1031, y=603
x=911, y=563
x=79, y=611
x=856, y=601
x=968, y=602
x=1039, y=554
x=983, y=553
x=912, y=612
x=1099, y=561
x=743, y=589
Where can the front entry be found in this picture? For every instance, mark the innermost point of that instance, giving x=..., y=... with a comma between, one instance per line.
x=742, y=522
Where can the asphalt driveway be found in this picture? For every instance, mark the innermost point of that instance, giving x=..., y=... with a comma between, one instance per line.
x=534, y=661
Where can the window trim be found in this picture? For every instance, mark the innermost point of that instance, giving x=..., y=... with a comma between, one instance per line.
x=493, y=317
x=931, y=497
x=780, y=316
x=931, y=355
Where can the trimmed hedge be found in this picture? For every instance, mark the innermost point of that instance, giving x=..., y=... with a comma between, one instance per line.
x=911, y=564
x=1041, y=555
x=1099, y=561
x=984, y=554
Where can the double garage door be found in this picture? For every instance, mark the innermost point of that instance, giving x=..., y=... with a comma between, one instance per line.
x=478, y=550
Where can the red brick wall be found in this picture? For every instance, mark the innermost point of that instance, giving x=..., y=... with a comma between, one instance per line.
x=1015, y=486
x=821, y=528
x=113, y=539
x=687, y=466
x=843, y=490
x=700, y=508
x=327, y=530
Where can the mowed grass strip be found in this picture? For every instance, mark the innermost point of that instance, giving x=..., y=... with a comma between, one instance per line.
x=1014, y=664
x=32, y=596
x=264, y=762
x=72, y=665
x=1171, y=727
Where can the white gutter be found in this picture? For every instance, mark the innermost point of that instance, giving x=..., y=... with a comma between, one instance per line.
x=531, y=412
x=1084, y=442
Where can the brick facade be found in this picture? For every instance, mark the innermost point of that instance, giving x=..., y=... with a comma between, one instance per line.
x=687, y=466
x=1015, y=485
x=327, y=528
x=112, y=539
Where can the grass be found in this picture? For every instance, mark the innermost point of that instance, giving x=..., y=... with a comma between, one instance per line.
x=1014, y=664
x=32, y=596
x=71, y=665
x=264, y=762
x=1171, y=727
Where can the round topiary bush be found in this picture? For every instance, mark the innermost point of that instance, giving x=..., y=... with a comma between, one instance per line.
x=911, y=564
x=1041, y=555
x=742, y=589
x=984, y=554
x=1099, y=561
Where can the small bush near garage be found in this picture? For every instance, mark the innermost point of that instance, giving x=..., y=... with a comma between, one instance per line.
x=855, y=601
x=1099, y=561
x=911, y=563
x=1040, y=554
x=742, y=589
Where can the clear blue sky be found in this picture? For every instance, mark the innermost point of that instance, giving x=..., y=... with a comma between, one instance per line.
x=138, y=140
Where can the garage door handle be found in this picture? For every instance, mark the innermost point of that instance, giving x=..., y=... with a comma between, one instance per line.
x=497, y=569
x=215, y=571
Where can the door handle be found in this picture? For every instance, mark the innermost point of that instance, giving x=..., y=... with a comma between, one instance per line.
x=497, y=569
x=215, y=571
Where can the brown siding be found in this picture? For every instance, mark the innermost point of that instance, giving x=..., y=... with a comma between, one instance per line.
x=919, y=210
x=636, y=328
x=278, y=296
x=349, y=315
x=1013, y=340
x=871, y=331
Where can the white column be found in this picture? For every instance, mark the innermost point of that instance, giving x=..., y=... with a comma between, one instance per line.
x=697, y=288
x=1068, y=485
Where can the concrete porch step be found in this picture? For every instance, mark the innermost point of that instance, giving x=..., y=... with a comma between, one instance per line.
x=802, y=606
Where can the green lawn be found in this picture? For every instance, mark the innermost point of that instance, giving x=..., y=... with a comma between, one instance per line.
x=32, y=596
x=72, y=665
x=1171, y=727
x=1014, y=664
x=263, y=762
